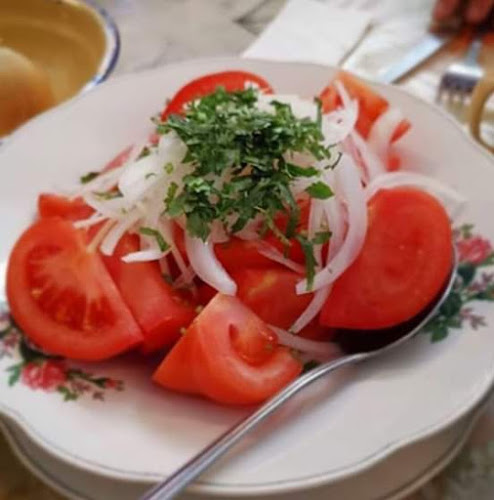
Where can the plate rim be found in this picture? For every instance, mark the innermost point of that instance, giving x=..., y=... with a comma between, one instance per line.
x=421, y=478
x=459, y=411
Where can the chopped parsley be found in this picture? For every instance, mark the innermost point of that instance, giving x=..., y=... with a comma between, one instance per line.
x=108, y=195
x=240, y=156
x=320, y=190
x=146, y=151
x=321, y=237
x=84, y=179
x=149, y=231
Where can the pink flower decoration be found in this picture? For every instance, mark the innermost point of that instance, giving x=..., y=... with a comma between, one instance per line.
x=111, y=384
x=474, y=250
x=47, y=375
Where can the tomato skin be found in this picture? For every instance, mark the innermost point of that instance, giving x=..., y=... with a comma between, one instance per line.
x=51, y=205
x=405, y=261
x=176, y=371
x=371, y=104
x=200, y=87
x=118, y=160
x=232, y=355
x=62, y=296
x=237, y=254
x=159, y=310
x=271, y=294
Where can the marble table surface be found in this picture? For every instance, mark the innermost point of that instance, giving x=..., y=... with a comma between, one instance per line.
x=156, y=32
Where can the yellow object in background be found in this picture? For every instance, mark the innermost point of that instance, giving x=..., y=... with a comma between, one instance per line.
x=483, y=90
x=49, y=50
x=25, y=90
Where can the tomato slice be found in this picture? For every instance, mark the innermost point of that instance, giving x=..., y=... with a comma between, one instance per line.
x=371, y=104
x=159, y=310
x=405, y=261
x=118, y=160
x=231, y=355
x=51, y=205
x=271, y=294
x=237, y=254
x=200, y=87
x=62, y=296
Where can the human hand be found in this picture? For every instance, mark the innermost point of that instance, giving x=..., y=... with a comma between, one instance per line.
x=473, y=11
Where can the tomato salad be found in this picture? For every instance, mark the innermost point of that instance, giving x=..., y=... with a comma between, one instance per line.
x=246, y=229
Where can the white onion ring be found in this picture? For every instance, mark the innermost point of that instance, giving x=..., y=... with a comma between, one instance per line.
x=207, y=266
x=112, y=208
x=147, y=255
x=322, y=350
x=372, y=162
x=348, y=179
x=382, y=130
x=336, y=223
x=451, y=199
x=139, y=177
x=312, y=310
x=94, y=219
x=111, y=240
x=272, y=253
x=103, y=182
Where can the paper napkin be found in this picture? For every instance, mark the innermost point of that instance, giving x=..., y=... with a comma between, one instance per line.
x=311, y=31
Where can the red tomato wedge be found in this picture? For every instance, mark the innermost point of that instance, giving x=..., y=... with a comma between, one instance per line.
x=51, y=205
x=371, y=104
x=118, y=160
x=62, y=296
x=271, y=294
x=231, y=355
x=405, y=261
x=200, y=87
x=237, y=254
x=158, y=309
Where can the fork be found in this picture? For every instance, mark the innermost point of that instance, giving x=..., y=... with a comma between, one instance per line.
x=461, y=77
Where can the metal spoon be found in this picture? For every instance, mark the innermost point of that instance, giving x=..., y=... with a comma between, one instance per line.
x=358, y=346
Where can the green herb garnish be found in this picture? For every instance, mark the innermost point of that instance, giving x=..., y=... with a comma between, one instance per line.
x=229, y=138
x=149, y=231
x=108, y=195
x=320, y=190
x=321, y=237
x=146, y=151
x=84, y=179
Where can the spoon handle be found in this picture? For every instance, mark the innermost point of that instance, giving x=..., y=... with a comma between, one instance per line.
x=175, y=483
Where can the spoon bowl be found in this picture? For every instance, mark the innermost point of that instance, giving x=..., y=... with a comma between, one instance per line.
x=361, y=346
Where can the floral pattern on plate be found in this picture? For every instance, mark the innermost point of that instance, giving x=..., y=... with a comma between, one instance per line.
x=473, y=283
x=38, y=370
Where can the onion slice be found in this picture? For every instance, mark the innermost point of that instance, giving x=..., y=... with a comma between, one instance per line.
x=144, y=255
x=207, y=266
x=94, y=219
x=270, y=252
x=111, y=240
x=312, y=310
x=322, y=350
x=373, y=164
x=350, y=187
x=382, y=130
x=451, y=199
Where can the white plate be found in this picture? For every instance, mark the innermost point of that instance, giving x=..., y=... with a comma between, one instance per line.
x=339, y=428
x=396, y=477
